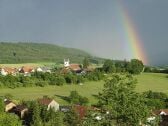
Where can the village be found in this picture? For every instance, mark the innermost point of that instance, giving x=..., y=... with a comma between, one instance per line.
x=27, y=70
x=24, y=112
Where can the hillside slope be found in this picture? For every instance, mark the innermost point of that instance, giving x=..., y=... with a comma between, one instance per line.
x=35, y=52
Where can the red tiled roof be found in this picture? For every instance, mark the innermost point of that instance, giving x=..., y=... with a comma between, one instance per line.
x=26, y=69
x=157, y=112
x=45, y=101
x=10, y=70
x=75, y=67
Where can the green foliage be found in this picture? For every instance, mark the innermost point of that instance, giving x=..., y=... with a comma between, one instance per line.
x=9, y=120
x=8, y=96
x=95, y=75
x=2, y=106
x=36, y=114
x=120, y=100
x=109, y=66
x=155, y=100
x=71, y=118
x=60, y=80
x=71, y=78
x=22, y=53
x=155, y=95
x=75, y=98
x=55, y=118
x=135, y=66
x=86, y=62
x=41, y=83
x=147, y=69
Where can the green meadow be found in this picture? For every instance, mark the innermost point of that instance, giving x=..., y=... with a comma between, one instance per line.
x=39, y=64
x=146, y=81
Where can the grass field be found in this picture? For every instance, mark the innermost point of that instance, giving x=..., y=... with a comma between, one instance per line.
x=152, y=81
x=27, y=64
x=88, y=89
x=146, y=81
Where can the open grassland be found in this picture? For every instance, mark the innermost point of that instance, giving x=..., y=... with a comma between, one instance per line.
x=27, y=64
x=146, y=81
x=152, y=81
x=89, y=89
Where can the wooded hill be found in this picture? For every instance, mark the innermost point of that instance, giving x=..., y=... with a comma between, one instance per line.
x=38, y=52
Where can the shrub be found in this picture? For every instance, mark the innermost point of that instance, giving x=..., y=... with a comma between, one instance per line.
x=41, y=83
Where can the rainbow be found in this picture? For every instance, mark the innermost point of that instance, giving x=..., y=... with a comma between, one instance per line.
x=132, y=38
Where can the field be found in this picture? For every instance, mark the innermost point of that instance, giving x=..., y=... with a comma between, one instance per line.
x=27, y=64
x=146, y=81
x=152, y=81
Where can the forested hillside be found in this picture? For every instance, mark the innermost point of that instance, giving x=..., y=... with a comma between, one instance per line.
x=35, y=52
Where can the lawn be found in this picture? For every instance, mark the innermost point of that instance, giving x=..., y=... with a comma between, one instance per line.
x=89, y=89
x=152, y=81
x=146, y=81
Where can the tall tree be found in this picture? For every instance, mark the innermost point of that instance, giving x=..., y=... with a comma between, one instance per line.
x=109, y=66
x=135, y=66
x=86, y=62
x=75, y=98
x=2, y=107
x=56, y=118
x=36, y=114
x=123, y=105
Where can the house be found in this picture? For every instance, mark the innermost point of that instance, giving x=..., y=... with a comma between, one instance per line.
x=73, y=67
x=163, y=113
x=50, y=103
x=9, y=105
x=6, y=70
x=26, y=70
x=20, y=110
x=43, y=69
x=39, y=69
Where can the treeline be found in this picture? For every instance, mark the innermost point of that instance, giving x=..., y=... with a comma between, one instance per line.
x=42, y=79
x=155, y=70
x=134, y=66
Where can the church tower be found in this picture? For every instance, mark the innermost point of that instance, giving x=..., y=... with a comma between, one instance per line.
x=66, y=63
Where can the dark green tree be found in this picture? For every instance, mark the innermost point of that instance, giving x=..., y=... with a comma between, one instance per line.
x=109, y=66
x=135, y=66
x=75, y=98
x=86, y=62
x=9, y=120
x=71, y=118
x=55, y=118
x=123, y=105
x=36, y=114
x=2, y=106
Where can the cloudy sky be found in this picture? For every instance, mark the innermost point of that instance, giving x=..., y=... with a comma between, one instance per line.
x=91, y=25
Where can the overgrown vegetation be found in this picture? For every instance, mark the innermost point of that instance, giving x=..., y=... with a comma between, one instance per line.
x=42, y=79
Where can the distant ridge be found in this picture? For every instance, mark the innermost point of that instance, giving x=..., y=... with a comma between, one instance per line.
x=38, y=52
